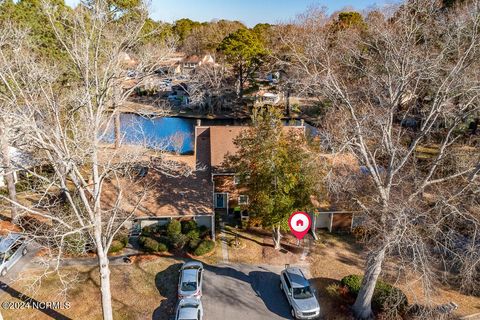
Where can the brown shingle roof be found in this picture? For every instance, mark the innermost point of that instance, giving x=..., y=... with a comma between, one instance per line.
x=222, y=142
x=165, y=196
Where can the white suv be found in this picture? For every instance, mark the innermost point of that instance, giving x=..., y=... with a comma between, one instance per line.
x=300, y=295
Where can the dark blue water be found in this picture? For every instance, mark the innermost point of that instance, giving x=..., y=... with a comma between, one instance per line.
x=171, y=134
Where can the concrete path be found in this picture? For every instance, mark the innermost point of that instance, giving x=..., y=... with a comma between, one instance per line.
x=224, y=244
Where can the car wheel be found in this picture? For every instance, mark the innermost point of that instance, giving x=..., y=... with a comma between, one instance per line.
x=24, y=251
x=292, y=311
x=4, y=272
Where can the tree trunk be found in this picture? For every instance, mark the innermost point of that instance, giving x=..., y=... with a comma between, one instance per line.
x=287, y=104
x=8, y=170
x=241, y=80
x=104, y=275
x=362, y=308
x=277, y=236
x=117, y=130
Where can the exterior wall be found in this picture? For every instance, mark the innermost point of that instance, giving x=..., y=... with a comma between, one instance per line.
x=225, y=184
x=322, y=220
x=342, y=221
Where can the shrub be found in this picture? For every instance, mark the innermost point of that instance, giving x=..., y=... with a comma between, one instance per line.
x=188, y=226
x=75, y=244
x=204, y=247
x=193, y=235
x=178, y=241
x=116, y=246
x=174, y=228
x=388, y=298
x=147, y=231
x=385, y=297
x=353, y=283
x=204, y=231
x=152, y=245
x=193, y=244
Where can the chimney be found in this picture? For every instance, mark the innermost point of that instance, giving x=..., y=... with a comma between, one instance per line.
x=199, y=122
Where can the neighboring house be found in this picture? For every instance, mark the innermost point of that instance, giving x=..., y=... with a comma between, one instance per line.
x=271, y=98
x=171, y=65
x=192, y=62
x=21, y=162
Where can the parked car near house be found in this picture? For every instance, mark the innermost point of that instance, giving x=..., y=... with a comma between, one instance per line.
x=12, y=248
x=299, y=293
x=190, y=280
x=189, y=309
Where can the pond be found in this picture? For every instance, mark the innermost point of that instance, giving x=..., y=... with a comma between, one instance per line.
x=168, y=133
x=172, y=133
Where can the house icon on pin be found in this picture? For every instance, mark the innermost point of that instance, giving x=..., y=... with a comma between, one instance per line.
x=299, y=223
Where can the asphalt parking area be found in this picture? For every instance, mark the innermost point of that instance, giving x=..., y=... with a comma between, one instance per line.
x=240, y=292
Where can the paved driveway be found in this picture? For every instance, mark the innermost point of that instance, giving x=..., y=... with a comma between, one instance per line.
x=241, y=292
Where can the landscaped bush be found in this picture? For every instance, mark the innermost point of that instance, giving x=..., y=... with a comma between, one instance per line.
x=353, y=283
x=174, y=228
x=178, y=241
x=385, y=297
x=193, y=244
x=188, y=226
x=116, y=246
x=152, y=245
x=193, y=235
x=206, y=246
x=147, y=231
x=204, y=231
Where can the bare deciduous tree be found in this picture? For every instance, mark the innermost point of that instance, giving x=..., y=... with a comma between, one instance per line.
x=66, y=123
x=396, y=94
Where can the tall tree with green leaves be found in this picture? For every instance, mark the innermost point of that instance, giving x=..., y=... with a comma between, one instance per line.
x=272, y=163
x=244, y=51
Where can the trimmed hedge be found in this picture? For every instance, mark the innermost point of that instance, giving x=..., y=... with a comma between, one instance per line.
x=152, y=245
x=385, y=297
x=178, y=241
x=174, y=228
x=206, y=246
x=116, y=246
x=188, y=226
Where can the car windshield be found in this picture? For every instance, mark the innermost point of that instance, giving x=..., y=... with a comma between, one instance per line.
x=189, y=286
x=302, y=293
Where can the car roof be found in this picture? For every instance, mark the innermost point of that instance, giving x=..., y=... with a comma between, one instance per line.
x=6, y=242
x=297, y=278
x=189, y=275
x=192, y=264
x=188, y=308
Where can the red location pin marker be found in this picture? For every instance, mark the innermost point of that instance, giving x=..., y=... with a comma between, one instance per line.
x=299, y=223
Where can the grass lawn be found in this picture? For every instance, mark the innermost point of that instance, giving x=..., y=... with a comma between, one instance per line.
x=141, y=290
x=336, y=256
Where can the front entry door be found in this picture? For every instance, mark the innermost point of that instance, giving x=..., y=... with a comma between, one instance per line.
x=220, y=200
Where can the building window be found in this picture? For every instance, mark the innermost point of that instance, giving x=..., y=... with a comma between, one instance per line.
x=243, y=199
x=236, y=180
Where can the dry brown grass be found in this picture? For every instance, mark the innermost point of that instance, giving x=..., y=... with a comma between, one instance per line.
x=336, y=256
x=139, y=290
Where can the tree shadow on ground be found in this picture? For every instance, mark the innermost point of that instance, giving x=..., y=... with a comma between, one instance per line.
x=332, y=300
x=266, y=284
x=166, y=281
x=32, y=302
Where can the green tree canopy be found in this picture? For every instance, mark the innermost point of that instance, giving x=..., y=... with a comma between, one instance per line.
x=244, y=50
x=272, y=163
